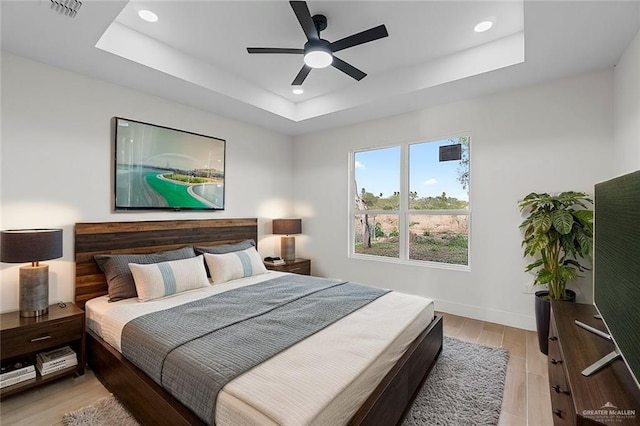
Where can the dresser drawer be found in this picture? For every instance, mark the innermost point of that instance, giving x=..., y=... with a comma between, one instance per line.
x=299, y=266
x=561, y=399
x=562, y=408
x=299, y=269
x=18, y=341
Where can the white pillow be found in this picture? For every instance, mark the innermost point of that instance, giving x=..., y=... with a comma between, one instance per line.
x=237, y=264
x=165, y=278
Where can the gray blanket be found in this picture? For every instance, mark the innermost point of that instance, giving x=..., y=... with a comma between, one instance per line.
x=193, y=350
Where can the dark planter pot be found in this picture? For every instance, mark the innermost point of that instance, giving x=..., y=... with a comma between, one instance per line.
x=543, y=315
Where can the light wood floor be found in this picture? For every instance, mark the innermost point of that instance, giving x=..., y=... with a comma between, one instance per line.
x=526, y=397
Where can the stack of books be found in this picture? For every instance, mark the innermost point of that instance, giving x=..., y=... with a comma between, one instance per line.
x=274, y=261
x=15, y=372
x=56, y=360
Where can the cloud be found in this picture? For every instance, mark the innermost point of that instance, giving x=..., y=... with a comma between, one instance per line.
x=431, y=181
x=359, y=165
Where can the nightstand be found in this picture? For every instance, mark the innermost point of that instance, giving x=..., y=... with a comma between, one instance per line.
x=297, y=266
x=25, y=337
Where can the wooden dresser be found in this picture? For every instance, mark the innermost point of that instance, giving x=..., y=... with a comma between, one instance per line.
x=609, y=396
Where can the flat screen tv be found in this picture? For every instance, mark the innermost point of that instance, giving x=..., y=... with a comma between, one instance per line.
x=617, y=263
x=157, y=167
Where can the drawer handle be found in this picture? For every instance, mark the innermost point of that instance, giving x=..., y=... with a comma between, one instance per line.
x=558, y=413
x=37, y=339
x=558, y=390
x=553, y=338
x=556, y=361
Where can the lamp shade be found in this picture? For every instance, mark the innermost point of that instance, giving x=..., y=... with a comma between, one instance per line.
x=287, y=226
x=30, y=245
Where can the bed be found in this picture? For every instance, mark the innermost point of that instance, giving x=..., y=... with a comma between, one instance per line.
x=379, y=401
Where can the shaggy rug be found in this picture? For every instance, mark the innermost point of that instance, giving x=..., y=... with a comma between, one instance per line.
x=106, y=411
x=465, y=387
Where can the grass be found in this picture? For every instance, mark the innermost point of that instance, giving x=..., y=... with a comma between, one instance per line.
x=443, y=248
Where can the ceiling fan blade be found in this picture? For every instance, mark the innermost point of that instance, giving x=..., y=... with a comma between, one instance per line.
x=304, y=72
x=348, y=69
x=366, y=36
x=274, y=50
x=301, y=10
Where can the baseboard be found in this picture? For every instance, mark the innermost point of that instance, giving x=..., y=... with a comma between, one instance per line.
x=484, y=314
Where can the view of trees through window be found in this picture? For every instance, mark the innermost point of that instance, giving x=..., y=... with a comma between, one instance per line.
x=430, y=223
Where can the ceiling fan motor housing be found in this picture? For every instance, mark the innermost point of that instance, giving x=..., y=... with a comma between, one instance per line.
x=320, y=21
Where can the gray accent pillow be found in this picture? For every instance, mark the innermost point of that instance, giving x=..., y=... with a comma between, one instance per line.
x=223, y=249
x=119, y=277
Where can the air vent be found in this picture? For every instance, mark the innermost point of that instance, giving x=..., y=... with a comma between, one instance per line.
x=69, y=8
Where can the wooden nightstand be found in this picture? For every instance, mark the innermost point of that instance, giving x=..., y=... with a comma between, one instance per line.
x=25, y=337
x=297, y=266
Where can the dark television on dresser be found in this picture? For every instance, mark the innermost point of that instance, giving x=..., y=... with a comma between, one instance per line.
x=157, y=167
x=617, y=264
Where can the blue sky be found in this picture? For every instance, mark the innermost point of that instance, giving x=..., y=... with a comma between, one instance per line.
x=378, y=171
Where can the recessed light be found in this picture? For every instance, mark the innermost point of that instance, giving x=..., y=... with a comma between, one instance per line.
x=148, y=15
x=298, y=91
x=483, y=26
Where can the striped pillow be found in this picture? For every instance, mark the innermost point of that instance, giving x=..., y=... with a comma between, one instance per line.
x=166, y=278
x=238, y=264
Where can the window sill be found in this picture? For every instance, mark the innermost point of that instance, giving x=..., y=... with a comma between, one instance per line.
x=419, y=263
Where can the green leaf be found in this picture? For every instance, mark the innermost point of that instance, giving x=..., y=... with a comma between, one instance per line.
x=534, y=265
x=542, y=223
x=568, y=273
x=585, y=217
x=562, y=221
x=539, y=242
x=544, y=277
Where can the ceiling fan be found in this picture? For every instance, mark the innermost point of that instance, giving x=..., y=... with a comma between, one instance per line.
x=318, y=52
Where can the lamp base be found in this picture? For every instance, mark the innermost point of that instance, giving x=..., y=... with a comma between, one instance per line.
x=288, y=248
x=34, y=290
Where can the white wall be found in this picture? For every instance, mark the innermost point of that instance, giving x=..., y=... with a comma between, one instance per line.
x=547, y=138
x=626, y=107
x=56, y=161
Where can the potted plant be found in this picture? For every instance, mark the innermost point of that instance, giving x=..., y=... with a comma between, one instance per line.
x=558, y=232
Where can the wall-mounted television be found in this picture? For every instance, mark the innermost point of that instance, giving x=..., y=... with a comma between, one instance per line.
x=617, y=263
x=157, y=167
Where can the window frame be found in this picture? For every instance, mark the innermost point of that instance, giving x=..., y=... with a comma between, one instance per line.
x=403, y=212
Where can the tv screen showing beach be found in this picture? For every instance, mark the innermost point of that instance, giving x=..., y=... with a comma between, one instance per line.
x=162, y=168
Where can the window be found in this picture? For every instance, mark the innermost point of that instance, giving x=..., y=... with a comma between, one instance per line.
x=410, y=203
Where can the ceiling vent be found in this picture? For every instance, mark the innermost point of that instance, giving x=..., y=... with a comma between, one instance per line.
x=66, y=7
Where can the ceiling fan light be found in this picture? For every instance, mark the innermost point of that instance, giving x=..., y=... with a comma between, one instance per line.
x=318, y=58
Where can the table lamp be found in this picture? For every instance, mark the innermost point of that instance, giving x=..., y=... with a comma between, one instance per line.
x=32, y=245
x=287, y=244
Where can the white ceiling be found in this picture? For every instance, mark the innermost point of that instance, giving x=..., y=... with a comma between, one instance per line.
x=196, y=53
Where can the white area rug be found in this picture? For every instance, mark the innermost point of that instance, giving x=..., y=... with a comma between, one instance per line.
x=465, y=387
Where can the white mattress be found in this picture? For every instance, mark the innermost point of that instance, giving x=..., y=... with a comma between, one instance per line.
x=322, y=380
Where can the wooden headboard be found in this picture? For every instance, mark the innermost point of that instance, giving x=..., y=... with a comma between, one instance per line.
x=146, y=237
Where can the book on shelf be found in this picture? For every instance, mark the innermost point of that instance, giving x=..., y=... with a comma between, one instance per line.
x=15, y=368
x=55, y=368
x=56, y=357
x=18, y=379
